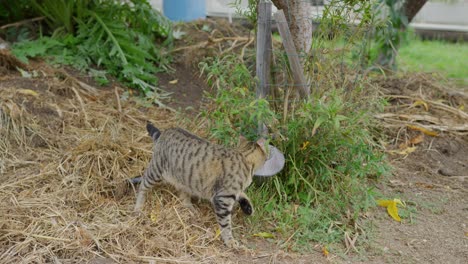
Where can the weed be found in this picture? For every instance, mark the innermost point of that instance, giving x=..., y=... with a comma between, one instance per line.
x=329, y=150
x=328, y=143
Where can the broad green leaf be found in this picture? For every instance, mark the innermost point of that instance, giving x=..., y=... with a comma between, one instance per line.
x=317, y=124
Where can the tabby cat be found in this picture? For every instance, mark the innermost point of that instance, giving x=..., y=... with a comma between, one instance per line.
x=198, y=168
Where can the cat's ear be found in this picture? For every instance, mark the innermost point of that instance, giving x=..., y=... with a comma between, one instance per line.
x=242, y=140
x=261, y=143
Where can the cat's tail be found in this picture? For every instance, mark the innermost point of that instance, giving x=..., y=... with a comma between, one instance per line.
x=153, y=131
x=124, y=187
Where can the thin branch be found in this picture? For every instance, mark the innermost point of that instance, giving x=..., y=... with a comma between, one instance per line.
x=22, y=22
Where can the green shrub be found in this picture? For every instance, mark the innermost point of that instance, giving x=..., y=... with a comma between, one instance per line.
x=118, y=38
x=330, y=154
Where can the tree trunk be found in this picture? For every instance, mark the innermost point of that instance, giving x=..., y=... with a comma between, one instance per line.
x=389, y=51
x=412, y=7
x=298, y=14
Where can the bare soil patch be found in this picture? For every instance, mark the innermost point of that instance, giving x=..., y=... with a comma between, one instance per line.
x=186, y=88
x=433, y=180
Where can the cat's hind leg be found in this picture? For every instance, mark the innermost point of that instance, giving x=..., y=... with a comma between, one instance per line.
x=222, y=205
x=150, y=177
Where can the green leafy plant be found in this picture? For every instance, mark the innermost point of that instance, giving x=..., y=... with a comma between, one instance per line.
x=330, y=154
x=250, y=13
x=118, y=38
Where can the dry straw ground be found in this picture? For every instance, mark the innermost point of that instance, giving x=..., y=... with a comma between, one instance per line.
x=64, y=147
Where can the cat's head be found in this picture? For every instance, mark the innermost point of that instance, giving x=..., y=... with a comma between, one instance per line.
x=254, y=152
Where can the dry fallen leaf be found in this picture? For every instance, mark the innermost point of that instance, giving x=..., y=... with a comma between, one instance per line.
x=325, y=251
x=392, y=208
x=218, y=233
x=174, y=81
x=424, y=130
x=417, y=139
x=28, y=92
x=13, y=109
x=424, y=185
x=154, y=217
x=264, y=235
x=421, y=102
x=406, y=151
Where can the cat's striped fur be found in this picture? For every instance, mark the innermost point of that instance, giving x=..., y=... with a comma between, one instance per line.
x=198, y=168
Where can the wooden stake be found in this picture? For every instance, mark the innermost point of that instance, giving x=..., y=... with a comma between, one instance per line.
x=296, y=67
x=263, y=54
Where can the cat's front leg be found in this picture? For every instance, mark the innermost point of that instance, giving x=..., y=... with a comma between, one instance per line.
x=223, y=205
x=245, y=204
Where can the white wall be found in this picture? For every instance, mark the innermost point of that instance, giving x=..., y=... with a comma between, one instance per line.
x=444, y=13
x=433, y=12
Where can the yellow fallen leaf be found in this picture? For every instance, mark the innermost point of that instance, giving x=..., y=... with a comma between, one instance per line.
x=264, y=235
x=424, y=130
x=405, y=151
x=174, y=81
x=325, y=251
x=28, y=92
x=154, y=217
x=305, y=144
x=461, y=107
x=421, y=102
x=218, y=233
x=392, y=208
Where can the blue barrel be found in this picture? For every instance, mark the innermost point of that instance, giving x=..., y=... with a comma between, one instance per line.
x=184, y=10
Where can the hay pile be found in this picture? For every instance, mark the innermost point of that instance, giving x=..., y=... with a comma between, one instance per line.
x=64, y=147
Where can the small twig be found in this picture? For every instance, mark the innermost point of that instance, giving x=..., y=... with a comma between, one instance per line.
x=22, y=22
x=81, y=104
x=233, y=45
x=241, y=56
x=286, y=105
x=436, y=104
x=38, y=236
x=205, y=43
x=119, y=106
x=185, y=228
x=164, y=259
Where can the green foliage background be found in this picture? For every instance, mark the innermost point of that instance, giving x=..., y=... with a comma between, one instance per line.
x=126, y=39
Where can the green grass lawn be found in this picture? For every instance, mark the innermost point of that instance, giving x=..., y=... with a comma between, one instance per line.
x=449, y=59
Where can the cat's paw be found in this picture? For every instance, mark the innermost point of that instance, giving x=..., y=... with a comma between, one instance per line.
x=232, y=243
x=246, y=206
x=193, y=211
x=137, y=213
